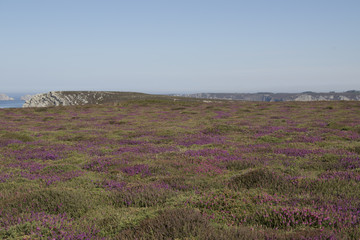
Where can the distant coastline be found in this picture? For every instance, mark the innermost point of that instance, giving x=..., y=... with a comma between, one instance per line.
x=4, y=97
x=66, y=98
x=351, y=95
x=19, y=100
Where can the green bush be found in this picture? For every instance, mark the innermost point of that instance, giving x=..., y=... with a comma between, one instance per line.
x=17, y=136
x=52, y=201
x=260, y=178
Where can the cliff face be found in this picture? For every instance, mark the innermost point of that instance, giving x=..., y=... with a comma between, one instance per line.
x=4, y=97
x=66, y=98
x=53, y=99
x=26, y=97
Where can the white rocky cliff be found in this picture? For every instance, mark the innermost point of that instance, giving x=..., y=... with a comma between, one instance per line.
x=57, y=99
x=4, y=97
x=26, y=97
x=67, y=98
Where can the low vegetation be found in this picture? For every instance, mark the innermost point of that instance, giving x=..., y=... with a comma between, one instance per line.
x=164, y=169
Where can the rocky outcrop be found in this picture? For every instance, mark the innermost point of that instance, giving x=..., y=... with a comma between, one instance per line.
x=306, y=97
x=26, y=97
x=4, y=97
x=327, y=97
x=281, y=97
x=67, y=98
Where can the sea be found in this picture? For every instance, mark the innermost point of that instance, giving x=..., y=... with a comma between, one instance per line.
x=17, y=103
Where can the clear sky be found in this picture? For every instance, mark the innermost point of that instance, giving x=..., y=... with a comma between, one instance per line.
x=172, y=46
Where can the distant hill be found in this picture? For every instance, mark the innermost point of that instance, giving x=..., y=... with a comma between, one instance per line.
x=280, y=97
x=67, y=98
x=4, y=97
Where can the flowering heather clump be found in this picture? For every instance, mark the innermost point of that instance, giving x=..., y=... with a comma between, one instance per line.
x=41, y=154
x=112, y=185
x=144, y=149
x=206, y=167
x=341, y=176
x=143, y=196
x=160, y=169
x=294, y=152
x=201, y=139
x=222, y=115
x=5, y=176
x=4, y=143
x=102, y=164
x=208, y=152
x=291, y=217
x=351, y=162
x=41, y=225
x=137, y=169
x=50, y=178
x=30, y=166
x=309, y=139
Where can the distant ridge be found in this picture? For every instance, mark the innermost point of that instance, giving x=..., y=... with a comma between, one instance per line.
x=67, y=98
x=351, y=95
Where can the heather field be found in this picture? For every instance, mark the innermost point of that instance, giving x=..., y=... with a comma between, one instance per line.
x=159, y=169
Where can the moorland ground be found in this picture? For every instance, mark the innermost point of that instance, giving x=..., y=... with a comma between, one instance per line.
x=159, y=169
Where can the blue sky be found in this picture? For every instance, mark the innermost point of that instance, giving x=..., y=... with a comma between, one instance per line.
x=180, y=46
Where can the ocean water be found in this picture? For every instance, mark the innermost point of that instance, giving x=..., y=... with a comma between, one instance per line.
x=12, y=104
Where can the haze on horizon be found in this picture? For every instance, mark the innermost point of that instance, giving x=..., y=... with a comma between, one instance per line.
x=180, y=46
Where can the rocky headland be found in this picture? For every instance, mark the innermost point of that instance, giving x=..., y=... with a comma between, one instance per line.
x=26, y=97
x=4, y=97
x=67, y=98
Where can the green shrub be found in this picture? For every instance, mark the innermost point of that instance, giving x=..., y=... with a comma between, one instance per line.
x=239, y=165
x=141, y=196
x=222, y=129
x=17, y=136
x=187, y=223
x=170, y=224
x=260, y=178
x=52, y=201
